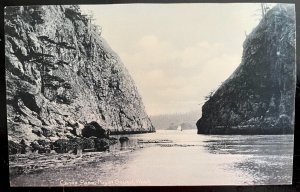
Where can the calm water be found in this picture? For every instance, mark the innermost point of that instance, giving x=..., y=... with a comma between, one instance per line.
x=185, y=158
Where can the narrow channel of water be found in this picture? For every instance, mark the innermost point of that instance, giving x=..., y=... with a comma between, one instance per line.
x=185, y=158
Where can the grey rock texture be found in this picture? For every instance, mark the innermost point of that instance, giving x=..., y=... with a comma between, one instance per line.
x=258, y=98
x=61, y=75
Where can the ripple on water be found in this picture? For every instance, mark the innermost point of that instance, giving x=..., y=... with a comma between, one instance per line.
x=174, y=158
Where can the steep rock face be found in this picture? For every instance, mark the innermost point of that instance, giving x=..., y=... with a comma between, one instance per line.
x=258, y=98
x=60, y=73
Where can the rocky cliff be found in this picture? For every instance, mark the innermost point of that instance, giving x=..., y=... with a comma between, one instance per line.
x=61, y=75
x=258, y=98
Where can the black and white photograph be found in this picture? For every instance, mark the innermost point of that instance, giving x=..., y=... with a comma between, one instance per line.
x=145, y=94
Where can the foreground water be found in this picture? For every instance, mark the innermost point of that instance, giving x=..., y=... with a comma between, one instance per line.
x=176, y=158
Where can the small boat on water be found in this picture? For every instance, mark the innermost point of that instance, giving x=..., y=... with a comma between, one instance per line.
x=179, y=128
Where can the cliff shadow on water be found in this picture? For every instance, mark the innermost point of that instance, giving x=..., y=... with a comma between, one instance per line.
x=64, y=84
x=258, y=98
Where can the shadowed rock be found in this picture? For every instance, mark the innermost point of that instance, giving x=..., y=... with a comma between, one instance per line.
x=123, y=139
x=102, y=144
x=93, y=129
x=14, y=148
x=258, y=98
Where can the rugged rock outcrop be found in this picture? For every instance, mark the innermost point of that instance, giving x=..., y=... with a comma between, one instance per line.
x=61, y=75
x=258, y=98
x=93, y=129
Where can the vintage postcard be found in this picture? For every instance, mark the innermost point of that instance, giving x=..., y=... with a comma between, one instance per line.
x=150, y=94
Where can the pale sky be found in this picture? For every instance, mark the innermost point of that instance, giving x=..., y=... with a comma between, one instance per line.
x=176, y=53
